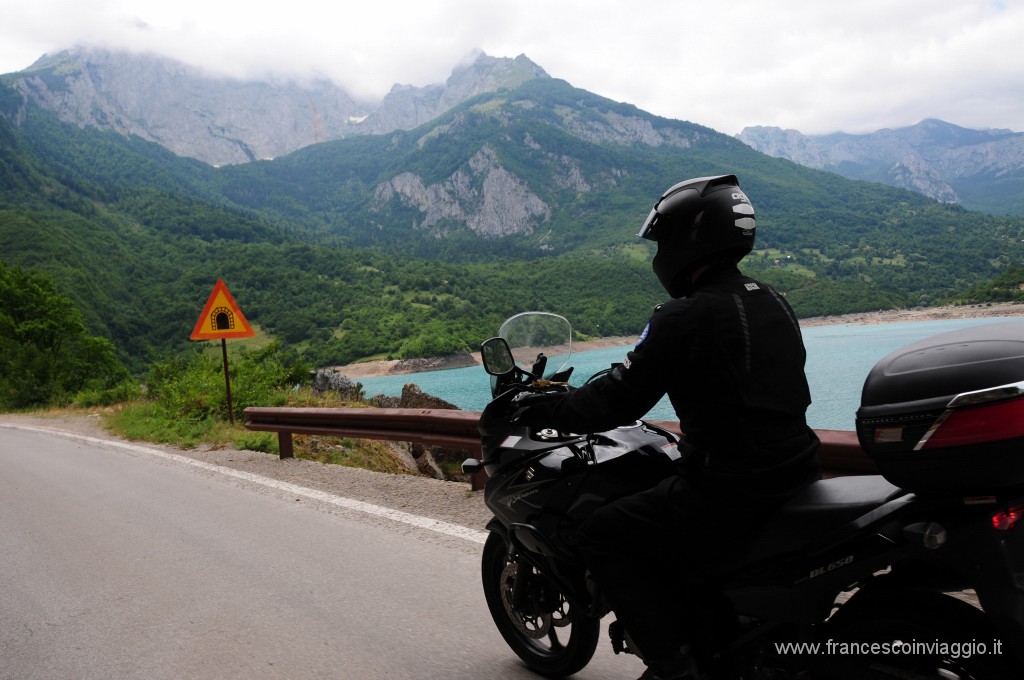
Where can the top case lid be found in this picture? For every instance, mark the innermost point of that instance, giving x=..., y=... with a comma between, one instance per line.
x=940, y=367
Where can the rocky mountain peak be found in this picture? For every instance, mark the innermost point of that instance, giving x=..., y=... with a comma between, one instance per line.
x=406, y=106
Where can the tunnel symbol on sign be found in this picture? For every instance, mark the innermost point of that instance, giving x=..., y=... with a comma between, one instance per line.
x=222, y=319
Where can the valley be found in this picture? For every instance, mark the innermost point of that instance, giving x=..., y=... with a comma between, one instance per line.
x=417, y=237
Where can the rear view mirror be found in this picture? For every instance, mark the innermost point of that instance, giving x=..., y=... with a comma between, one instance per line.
x=497, y=357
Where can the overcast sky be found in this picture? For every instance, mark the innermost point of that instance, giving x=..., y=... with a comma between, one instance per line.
x=816, y=66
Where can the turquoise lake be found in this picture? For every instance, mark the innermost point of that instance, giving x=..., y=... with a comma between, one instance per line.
x=838, y=359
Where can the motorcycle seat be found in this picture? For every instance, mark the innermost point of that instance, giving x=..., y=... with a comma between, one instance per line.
x=824, y=506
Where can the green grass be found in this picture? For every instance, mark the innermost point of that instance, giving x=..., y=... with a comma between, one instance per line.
x=149, y=421
x=152, y=422
x=183, y=404
x=634, y=252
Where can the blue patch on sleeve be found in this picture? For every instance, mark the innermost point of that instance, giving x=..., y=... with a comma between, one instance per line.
x=643, y=336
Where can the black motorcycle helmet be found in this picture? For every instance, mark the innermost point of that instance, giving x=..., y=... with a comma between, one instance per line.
x=697, y=222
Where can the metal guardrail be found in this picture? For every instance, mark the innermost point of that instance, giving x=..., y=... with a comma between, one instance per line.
x=840, y=452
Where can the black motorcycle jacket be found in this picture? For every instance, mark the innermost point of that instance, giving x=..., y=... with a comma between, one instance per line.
x=731, y=358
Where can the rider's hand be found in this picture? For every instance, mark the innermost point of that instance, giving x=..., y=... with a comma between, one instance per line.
x=533, y=408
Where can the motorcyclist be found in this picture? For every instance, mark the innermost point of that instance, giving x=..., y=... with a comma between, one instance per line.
x=727, y=350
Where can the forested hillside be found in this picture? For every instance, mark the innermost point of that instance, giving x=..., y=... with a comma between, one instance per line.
x=46, y=354
x=421, y=242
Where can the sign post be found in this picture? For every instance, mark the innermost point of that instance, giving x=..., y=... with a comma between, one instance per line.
x=222, y=319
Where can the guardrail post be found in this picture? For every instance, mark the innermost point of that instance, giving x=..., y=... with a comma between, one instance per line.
x=284, y=445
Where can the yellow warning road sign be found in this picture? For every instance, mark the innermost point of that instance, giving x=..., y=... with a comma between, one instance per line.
x=221, y=318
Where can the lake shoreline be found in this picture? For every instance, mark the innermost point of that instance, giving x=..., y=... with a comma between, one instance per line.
x=376, y=369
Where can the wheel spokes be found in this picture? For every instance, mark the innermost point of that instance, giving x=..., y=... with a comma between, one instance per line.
x=553, y=640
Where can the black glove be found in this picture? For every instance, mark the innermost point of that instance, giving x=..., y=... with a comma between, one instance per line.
x=533, y=409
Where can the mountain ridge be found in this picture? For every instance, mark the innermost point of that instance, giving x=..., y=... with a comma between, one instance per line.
x=222, y=120
x=981, y=169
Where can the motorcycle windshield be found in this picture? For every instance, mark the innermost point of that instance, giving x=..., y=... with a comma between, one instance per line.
x=531, y=334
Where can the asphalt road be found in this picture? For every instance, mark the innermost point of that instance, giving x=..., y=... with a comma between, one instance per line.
x=118, y=562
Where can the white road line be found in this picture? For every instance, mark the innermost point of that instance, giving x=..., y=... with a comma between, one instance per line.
x=418, y=521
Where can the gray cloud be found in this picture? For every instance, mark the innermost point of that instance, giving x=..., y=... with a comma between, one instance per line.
x=816, y=67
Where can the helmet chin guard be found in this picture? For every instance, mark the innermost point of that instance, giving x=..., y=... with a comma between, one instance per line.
x=696, y=222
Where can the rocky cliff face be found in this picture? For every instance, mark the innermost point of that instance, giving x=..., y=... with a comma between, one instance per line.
x=934, y=158
x=224, y=121
x=214, y=119
x=483, y=195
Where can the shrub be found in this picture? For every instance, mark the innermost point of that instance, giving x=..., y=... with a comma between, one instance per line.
x=191, y=386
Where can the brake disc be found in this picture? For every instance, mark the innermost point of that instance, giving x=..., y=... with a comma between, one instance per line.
x=562, y=616
x=531, y=624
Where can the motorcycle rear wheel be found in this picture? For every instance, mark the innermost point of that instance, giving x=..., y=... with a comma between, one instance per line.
x=954, y=640
x=552, y=634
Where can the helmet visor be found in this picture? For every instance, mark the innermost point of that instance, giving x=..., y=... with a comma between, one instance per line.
x=647, y=231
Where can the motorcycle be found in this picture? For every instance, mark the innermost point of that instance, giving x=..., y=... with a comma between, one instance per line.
x=917, y=572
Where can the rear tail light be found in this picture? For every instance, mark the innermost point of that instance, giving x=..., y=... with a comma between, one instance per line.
x=1004, y=520
x=978, y=417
